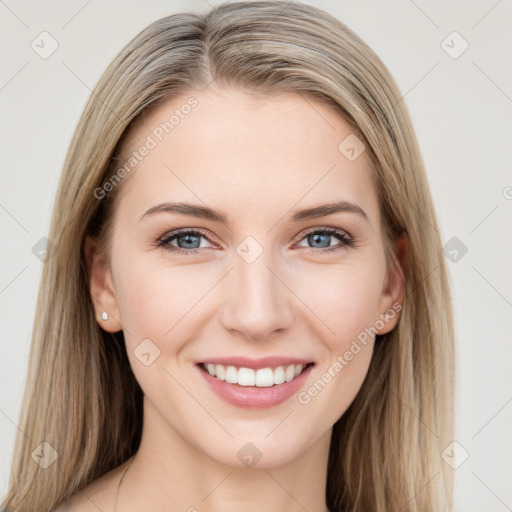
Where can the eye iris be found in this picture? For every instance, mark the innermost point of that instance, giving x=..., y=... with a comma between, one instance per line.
x=190, y=240
x=319, y=238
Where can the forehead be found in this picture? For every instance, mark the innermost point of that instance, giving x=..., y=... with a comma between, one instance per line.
x=230, y=148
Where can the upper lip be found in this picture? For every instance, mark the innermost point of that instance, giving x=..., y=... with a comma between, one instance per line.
x=256, y=364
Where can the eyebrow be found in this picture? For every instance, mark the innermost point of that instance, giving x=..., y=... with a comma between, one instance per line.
x=205, y=212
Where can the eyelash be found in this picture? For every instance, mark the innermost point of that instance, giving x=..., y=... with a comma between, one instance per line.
x=346, y=240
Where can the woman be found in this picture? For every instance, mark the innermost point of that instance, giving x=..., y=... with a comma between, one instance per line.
x=247, y=306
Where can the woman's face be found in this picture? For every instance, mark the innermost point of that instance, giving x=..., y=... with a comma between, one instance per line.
x=255, y=272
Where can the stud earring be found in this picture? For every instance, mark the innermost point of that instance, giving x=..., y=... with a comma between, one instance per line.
x=386, y=316
x=104, y=315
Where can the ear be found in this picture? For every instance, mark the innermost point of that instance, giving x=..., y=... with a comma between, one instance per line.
x=101, y=287
x=391, y=301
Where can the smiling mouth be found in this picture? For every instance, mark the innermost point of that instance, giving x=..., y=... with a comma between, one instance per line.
x=249, y=377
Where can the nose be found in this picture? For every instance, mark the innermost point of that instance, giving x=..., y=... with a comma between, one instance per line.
x=258, y=302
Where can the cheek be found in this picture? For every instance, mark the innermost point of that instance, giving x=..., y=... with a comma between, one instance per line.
x=157, y=308
x=158, y=301
x=344, y=298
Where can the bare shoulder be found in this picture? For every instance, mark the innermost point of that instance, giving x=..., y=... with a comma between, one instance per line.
x=98, y=495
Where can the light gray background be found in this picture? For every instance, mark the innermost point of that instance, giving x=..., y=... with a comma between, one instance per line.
x=461, y=109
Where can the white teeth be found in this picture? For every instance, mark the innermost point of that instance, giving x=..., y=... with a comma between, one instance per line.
x=289, y=373
x=231, y=375
x=262, y=378
x=246, y=377
x=220, y=372
x=279, y=375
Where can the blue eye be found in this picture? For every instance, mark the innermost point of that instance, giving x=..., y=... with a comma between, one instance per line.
x=320, y=240
x=189, y=241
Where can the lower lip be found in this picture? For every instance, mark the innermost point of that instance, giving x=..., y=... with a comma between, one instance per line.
x=253, y=397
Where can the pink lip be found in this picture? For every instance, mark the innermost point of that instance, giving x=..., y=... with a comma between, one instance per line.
x=256, y=364
x=252, y=397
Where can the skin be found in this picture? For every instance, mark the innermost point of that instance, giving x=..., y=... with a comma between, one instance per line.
x=257, y=161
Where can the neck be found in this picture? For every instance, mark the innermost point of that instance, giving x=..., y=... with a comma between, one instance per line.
x=169, y=470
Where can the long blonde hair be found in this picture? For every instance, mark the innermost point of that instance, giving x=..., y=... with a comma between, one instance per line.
x=81, y=396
